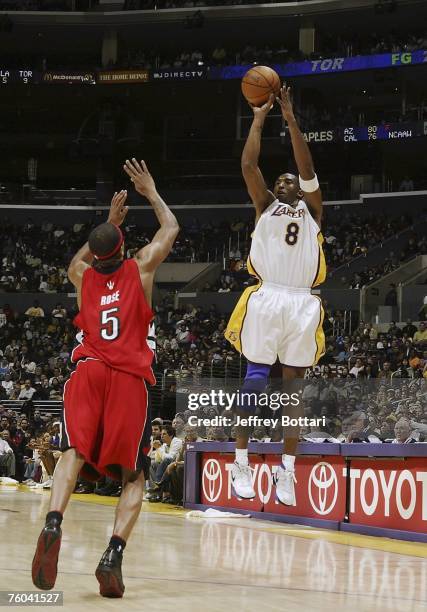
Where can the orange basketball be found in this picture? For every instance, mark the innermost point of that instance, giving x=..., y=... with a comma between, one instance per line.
x=258, y=83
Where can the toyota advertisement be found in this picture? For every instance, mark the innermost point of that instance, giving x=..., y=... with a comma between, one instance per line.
x=389, y=493
x=384, y=493
x=320, y=492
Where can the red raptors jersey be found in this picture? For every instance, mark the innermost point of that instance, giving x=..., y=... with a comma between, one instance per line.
x=114, y=318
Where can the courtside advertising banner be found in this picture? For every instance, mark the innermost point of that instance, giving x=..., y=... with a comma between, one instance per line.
x=179, y=74
x=115, y=77
x=389, y=493
x=320, y=491
x=56, y=77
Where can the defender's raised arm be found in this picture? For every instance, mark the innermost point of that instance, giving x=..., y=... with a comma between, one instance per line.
x=152, y=255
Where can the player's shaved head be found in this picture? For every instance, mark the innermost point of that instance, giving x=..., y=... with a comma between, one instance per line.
x=105, y=241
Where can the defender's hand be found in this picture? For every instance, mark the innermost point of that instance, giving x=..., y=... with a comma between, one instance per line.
x=285, y=103
x=261, y=112
x=118, y=210
x=140, y=177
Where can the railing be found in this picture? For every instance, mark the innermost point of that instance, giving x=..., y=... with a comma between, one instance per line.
x=53, y=407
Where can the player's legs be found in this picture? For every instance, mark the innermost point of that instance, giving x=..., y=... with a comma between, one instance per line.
x=291, y=434
x=45, y=561
x=301, y=347
x=81, y=426
x=256, y=323
x=109, y=570
x=126, y=437
x=130, y=502
x=284, y=477
x=64, y=479
x=256, y=380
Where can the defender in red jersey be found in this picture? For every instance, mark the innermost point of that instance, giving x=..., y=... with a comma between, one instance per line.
x=105, y=399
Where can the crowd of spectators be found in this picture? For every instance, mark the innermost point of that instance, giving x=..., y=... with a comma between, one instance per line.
x=414, y=246
x=369, y=386
x=25, y=249
x=346, y=236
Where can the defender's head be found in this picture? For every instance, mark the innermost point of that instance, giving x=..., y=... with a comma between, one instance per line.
x=287, y=189
x=106, y=243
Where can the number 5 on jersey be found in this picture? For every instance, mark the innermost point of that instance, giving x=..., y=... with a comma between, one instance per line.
x=110, y=324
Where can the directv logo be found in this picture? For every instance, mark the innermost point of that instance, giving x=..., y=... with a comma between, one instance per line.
x=184, y=74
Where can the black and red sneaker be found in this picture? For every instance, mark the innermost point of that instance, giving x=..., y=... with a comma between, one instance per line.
x=45, y=562
x=109, y=574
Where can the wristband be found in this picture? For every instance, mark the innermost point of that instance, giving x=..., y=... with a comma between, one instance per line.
x=310, y=185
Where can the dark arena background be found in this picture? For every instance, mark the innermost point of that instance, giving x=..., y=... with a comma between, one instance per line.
x=86, y=85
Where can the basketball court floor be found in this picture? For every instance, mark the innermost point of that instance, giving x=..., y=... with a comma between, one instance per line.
x=180, y=564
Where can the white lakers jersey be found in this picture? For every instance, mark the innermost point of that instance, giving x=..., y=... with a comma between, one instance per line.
x=287, y=247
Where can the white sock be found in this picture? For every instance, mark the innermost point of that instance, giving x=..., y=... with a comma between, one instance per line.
x=288, y=462
x=242, y=456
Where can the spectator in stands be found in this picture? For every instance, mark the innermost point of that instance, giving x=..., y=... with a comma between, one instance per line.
x=178, y=424
x=165, y=454
x=7, y=457
x=358, y=369
x=420, y=336
x=386, y=370
x=409, y=329
x=59, y=312
x=7, y=384
x=402, y=431
x=27, y=391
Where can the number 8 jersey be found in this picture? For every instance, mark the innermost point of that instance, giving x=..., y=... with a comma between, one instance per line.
x=287, y=247
x=114, y=319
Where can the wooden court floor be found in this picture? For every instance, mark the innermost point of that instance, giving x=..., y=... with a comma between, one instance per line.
x=238, y=565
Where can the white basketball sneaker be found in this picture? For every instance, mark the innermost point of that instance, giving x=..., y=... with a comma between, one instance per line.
x=241, y=479
x=284, y=481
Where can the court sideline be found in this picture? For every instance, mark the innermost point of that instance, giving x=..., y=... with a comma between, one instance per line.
x=175, y=563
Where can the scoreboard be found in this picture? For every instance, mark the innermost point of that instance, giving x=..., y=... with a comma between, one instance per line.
x=363, y=133
x=18, y=76
x=384, y=131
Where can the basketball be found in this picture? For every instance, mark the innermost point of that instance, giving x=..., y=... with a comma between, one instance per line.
x=259, y=83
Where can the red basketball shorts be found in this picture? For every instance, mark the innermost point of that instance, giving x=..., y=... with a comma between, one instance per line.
x=105, y=418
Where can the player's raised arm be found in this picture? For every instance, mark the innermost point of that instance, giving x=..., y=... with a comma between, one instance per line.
x=84, y=258
x=308, y=179
x=152, y=255
x=257, y=189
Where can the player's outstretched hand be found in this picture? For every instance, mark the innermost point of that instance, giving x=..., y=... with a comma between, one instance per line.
x=285, y=103
x=260, y=112
x=140, y=177
x=118, y=210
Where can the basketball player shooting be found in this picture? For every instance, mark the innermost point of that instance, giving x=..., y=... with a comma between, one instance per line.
x=279, y=318
x=104, y=429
